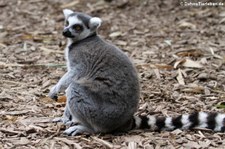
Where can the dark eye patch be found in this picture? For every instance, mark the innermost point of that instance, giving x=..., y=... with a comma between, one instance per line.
x=84, y=18
x=66, y=23
x=77, y=27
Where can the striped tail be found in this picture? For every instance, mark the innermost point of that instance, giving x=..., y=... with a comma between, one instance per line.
x=213, y=121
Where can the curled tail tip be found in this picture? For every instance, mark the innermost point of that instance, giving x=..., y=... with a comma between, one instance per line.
x=213, y=121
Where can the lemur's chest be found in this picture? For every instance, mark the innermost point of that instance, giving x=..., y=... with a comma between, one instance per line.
x=67, y=58
x=67, y=54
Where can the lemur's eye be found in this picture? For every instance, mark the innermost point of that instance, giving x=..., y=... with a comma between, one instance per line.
x=77, y=27
x=67, y=23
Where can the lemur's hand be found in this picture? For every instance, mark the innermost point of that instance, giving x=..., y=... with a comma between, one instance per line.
x=53, y=93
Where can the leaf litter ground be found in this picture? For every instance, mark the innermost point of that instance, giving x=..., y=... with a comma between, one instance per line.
x=179, y=52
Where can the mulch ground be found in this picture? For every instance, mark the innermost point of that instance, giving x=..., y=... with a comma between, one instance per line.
x=179, y=52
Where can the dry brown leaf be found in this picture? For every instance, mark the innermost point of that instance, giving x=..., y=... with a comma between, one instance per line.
x=46, y=83
x=15, y=112
x=53, y=142
x=69, y=142
x=190, y=53
x=46, y=100
x=222, y=14
x=34, y=120
x=157, y=73
x=26, y=36
x=215, y=55
x=61, y=99
x=192, y=144
x=11, y=118
x=204, y=144
x=168, y=42
x=180, y=77
x=193, y=88
x=143, y=107
x=177, y=131
x=142, y=65
x=164, y=66
x=71, y=4
x=47, y=51
x=204, y=61
x=103, y=142
x=121, y=43
x=192, y=64
x=201, y=134
x=184, y=24
x=133, y=138
x=132, y=145
x=2, y=45
x=37, y=128
x=179, y=62
x=10, y=131
x=115, y=34
x=203, y=76
x=222, y=21
x=21, y=141
x=64, y=146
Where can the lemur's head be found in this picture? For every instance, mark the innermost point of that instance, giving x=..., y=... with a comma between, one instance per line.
x=79, y=26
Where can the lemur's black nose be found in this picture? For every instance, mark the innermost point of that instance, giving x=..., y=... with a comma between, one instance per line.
x=67, y=33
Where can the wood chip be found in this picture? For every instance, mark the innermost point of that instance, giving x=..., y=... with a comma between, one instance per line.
x=14, y=112
x=115, y=34
x=69, y=142
x=180, y=78
x=192, y=64
x=9, y=131
x=103, y=142
x=184, y=24
x=71, y=4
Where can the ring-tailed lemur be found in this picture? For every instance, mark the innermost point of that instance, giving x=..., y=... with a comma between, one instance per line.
x=102, y=87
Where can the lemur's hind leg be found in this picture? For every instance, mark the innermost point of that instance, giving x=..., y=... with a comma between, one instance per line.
x=67, y=118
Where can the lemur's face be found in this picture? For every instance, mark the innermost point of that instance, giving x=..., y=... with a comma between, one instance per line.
x=79, y=26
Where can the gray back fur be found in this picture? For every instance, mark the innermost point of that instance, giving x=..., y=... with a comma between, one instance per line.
x=105, y=91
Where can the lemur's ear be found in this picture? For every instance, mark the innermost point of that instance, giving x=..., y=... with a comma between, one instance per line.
x=67, y=12
x=94, y=23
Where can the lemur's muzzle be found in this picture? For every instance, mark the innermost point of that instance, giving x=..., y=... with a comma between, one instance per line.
x=67, y=33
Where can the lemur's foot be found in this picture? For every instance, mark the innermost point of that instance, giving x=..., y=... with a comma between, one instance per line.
x=53, y=93
x=76, y=130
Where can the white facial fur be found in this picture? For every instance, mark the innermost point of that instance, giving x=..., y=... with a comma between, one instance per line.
x=73, y=20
